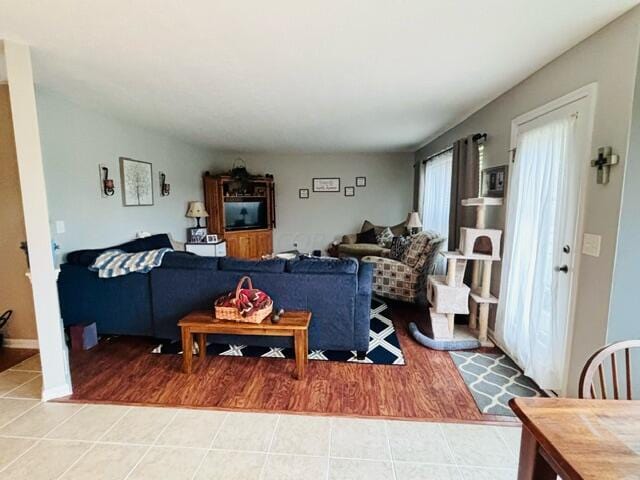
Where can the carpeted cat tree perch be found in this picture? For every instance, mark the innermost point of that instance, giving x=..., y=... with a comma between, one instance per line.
x=448, y=295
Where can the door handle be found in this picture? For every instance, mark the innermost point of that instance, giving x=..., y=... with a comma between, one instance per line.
x=563, y=269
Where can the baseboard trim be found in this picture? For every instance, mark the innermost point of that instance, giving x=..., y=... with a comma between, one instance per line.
x=57, y=392
x=21, y=343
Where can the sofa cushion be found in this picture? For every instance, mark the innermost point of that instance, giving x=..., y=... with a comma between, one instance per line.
x=398, y=246
x=385, y=237
x=275, y=265
x=368, y=236
x=362, y=249
x=189, y=261
x=323, y=265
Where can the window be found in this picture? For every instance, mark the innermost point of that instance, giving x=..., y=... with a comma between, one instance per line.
x=436, y=193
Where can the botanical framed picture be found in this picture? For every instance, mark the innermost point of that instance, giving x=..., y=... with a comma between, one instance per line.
x=494, y=181
x=361, y=181
x=349, y=191
x=137, y=182
x=303, y=193
x=326, y=184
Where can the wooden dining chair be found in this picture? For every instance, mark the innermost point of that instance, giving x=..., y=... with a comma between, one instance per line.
x=596, y=372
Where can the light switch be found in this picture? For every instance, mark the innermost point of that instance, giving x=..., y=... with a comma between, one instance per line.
x=591, y=244
x=60, y=228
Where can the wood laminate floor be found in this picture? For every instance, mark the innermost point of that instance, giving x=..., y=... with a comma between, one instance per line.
x=428, y=387
x=10, y=357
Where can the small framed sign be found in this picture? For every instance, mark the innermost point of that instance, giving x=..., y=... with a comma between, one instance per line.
x=361, y=181
x=211, y=238
x=326, y=184
x=349, y=191
x=303, y=193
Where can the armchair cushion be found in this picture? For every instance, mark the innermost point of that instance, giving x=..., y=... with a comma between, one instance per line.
x=422, y=250
x=397, y=230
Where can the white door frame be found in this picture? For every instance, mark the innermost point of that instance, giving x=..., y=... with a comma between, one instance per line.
x=53, y=350
x=588, y=92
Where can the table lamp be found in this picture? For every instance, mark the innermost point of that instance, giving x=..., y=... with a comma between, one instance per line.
x=196, y=210
x=413, y=222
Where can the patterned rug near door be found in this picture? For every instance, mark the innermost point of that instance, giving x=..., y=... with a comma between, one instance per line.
x=493, y=379
x=384, y=347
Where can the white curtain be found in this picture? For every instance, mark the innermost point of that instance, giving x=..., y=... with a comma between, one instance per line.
x=436, y=198
x=530, y=322
x=436, y=194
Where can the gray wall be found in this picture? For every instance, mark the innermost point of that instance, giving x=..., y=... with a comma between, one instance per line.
x=75, y=140
x=609, y=57
x=624, y=320
x=315, y=222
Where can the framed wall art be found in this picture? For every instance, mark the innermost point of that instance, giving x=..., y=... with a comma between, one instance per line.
x=137, y=182
x=494, y=181
x=361, y=181
x=349, y=191
x=326, y=184
x=303, y=193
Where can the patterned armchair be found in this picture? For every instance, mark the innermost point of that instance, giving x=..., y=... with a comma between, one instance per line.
x=405, y=278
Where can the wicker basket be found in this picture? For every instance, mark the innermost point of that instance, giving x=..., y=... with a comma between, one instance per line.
x=232, y=313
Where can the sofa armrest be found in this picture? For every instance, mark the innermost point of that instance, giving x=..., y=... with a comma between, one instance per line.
x=350, y=239
x=362, y=314
x=365, y=278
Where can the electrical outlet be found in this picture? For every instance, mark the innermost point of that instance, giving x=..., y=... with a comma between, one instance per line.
x=60, y=228
x=591, y=244
x=295, y=244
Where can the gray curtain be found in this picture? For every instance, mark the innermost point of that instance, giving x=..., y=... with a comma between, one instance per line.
x=464, y=184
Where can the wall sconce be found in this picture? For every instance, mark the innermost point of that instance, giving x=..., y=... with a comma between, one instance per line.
x=108, y=186
x=165, y=188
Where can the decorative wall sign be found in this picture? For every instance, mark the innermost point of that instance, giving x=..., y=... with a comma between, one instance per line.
x=137, y=183
x=349, y=191
x=303, y=193
x=494, y=181
x=326, y=184
x=361, y=181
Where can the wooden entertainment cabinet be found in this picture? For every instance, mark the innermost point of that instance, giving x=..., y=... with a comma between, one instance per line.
x=251, y=204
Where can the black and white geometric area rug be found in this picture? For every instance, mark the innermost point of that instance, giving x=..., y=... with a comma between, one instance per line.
x=494, y=379
x=384, y=347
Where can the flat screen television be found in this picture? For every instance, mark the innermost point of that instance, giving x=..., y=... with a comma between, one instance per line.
x=245, y=215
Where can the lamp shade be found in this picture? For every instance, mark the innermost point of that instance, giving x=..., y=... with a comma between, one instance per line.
x=196, y=210
x=413, y=220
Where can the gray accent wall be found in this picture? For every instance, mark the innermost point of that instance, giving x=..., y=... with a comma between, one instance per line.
x=75, y=139
x=624, y=314
x=609, y=57
x=315, y=222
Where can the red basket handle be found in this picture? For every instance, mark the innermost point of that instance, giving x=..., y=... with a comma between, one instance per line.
x=239, y=287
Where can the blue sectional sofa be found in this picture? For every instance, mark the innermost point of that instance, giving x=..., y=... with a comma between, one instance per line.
x=337, y=292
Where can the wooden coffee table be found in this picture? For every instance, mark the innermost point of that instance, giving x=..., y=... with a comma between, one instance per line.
x=293, y=324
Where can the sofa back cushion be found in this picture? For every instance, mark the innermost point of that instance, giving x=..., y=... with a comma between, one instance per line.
x=189, y=261
x=323, y=265
x=231, y=264
x=397, y=230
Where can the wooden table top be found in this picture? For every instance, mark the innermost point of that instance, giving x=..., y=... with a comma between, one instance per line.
x=290, y=320
x=590, y=439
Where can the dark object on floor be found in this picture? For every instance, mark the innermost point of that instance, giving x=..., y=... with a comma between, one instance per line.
x=83, y=337
x=453, y=344
x=4, y=318
x=493, y=379
x=384, y=347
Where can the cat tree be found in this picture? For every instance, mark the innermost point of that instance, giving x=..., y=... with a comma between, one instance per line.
x=449, y=296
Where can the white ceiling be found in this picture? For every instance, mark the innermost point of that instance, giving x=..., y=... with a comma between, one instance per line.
x=296, y=75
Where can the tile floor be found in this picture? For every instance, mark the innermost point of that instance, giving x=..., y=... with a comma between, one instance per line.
x=76, y=441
